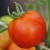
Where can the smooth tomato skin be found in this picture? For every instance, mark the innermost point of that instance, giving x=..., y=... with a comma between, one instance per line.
x=28, y=30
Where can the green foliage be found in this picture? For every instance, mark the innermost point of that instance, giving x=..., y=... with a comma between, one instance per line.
x=37, y=48
x=48, y=34
x=6, y=19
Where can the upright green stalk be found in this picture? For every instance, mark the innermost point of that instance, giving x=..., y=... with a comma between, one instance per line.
x=48, y=34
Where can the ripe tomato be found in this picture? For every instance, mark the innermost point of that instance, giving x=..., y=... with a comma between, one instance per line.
x=28, y=30
x=13, y=46
x=4, y=39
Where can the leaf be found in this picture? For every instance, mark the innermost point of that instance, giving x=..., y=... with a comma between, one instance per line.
x=2, y=28
x=37, y=48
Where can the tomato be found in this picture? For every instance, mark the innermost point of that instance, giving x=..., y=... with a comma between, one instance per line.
x=28, y=30
x=4, y=39
x=13, y=46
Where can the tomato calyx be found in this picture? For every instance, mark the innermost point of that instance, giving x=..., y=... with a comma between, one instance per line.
x=18, y=13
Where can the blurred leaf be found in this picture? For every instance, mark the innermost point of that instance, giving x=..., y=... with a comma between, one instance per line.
x=6, y=19
x=31, y=6
x=2, y=28
x=40, y=5
x=37, y=48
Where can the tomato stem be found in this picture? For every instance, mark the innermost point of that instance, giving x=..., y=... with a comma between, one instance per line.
x=18, y=13
x=17, y=7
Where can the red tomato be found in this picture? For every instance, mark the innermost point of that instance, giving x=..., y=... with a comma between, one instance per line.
x=28, y=30
x=13, y=46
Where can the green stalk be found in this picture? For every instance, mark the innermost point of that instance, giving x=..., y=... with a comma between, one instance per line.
x=16, y=14
x=17, y=7
x=48, y=34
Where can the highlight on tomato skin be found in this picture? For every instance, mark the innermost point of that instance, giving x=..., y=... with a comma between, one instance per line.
x=28, y=30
